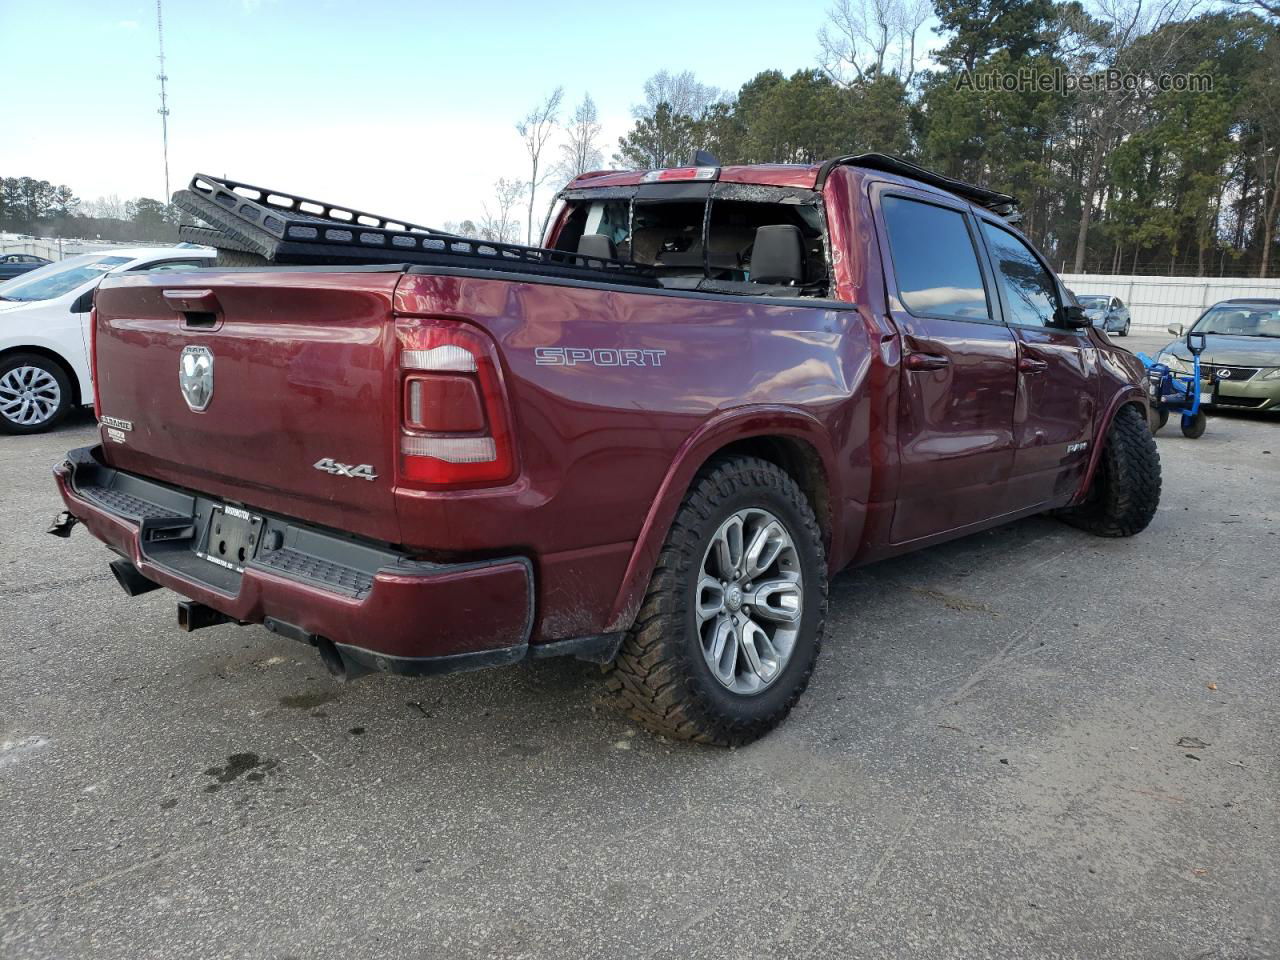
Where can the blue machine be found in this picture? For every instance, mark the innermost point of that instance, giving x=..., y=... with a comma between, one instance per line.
x=1171, y=392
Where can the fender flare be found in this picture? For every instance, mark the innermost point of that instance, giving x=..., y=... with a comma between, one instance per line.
x=742, y=423
x=1129, y=393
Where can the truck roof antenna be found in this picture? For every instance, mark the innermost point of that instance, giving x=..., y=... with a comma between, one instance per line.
x=704, y=158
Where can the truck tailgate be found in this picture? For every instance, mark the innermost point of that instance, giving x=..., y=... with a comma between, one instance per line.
x=302, y=375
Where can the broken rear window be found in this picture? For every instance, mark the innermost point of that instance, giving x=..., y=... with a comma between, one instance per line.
x=774, y=245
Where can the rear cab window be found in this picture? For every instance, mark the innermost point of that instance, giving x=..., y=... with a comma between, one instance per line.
x=711, y=237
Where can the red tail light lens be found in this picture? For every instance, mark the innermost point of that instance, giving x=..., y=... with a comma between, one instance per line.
x=455, y=425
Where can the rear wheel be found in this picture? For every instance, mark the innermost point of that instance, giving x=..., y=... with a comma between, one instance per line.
x=1193, y=427
x=1159, y=417
x=1125, y=490
x=35, y=393
x=731, y=624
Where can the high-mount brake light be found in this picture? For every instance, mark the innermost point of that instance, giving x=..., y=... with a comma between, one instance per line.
x=455, y=424
x=681, y=173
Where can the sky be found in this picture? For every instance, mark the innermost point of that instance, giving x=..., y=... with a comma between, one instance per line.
x=404, y=108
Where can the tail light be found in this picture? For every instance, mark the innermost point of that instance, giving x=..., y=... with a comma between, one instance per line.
x=93, y=359
x=455, y=425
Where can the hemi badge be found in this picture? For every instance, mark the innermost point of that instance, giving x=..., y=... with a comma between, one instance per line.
x=126, y=425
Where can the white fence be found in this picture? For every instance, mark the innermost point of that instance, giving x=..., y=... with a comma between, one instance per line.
x=57, y=249
x=1156, y=302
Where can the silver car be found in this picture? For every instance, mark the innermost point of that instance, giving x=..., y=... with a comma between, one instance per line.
x=1107, y=312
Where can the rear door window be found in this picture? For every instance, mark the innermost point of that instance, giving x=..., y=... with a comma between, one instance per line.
x=934, y=260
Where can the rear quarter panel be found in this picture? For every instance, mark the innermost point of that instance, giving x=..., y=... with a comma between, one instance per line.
x=606, y=451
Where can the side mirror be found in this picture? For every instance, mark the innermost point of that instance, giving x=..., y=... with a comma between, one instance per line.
x=1195, y=343
x=83, y=303
x=1072, y=317
x=1175, y=329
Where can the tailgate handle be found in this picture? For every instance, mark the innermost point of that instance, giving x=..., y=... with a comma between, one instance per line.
x=199, y=308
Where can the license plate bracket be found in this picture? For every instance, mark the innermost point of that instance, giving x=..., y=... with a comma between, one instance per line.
x=231, y=537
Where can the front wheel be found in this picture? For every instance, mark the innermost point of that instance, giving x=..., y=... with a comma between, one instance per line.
x=1125, y=331
x=35, y=393
x=1125, y=490
x=731, y=625
x=1193, y=427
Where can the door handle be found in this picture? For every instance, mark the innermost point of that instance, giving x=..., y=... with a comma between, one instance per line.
x=925, y=361
x=1031, y=365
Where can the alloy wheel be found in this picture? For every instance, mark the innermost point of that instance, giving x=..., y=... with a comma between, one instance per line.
x=749, y=601
x=29, y=396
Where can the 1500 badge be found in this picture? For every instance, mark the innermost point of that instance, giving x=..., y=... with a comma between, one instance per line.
x=363, y=471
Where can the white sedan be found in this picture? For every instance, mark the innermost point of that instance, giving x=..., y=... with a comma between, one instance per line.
x=44, y=330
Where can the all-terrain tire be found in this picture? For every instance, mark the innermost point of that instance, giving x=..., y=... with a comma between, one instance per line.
x=1125, y=491
x=660, y=676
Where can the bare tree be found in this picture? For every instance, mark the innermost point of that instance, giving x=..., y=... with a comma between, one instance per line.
x=536, y=129
x=681, y=93
x=107, y=208
x=499, y=224
x=463, y=228
x=1266, y=6
x=868, y=38
x=582, y=153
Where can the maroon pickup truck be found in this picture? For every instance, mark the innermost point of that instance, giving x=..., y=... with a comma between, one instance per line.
x=649, y=442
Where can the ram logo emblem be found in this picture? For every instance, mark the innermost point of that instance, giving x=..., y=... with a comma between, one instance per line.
x=195, y=377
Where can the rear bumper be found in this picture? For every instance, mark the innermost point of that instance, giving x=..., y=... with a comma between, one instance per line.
x=380, y=609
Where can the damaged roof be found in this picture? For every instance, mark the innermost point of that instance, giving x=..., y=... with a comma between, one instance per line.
x=813, y=176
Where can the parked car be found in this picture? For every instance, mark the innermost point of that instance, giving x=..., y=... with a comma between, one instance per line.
x=13, y=264
x=648, y=443
x=1106, y=312
x=1240, y=365
x=44, y=332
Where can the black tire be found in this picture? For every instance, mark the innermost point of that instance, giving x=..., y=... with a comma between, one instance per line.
x=1125, y=331
x=1195, y=429
x=65, y=397
x=1125, y=491
x=1159, y=418
x=661, y=677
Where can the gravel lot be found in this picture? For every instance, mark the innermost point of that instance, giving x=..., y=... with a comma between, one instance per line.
x=1029, y=743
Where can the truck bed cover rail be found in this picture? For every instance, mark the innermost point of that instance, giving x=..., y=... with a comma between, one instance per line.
x=286, y=229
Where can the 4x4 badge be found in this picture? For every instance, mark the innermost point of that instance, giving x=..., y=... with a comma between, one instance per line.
x=362, y=472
